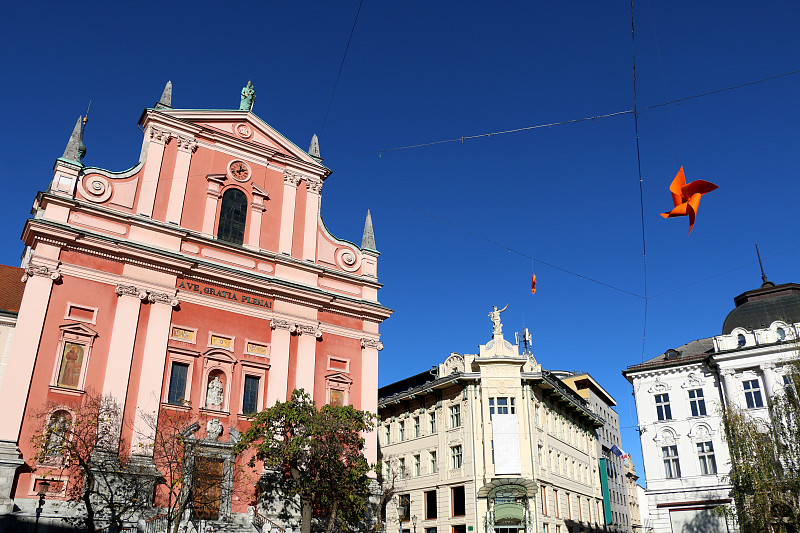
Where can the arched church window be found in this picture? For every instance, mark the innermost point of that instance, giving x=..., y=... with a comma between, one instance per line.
x=55, y=437
x=232, y=217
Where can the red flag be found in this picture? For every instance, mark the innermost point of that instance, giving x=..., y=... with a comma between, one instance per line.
x=687, y=197
x=533, y=283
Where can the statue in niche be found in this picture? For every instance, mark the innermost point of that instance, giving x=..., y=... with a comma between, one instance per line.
x=248, y=95
x=214, y=429
x=214, y=393
x=494, y=316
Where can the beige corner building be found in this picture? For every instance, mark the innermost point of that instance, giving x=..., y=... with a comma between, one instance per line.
x=489, y=443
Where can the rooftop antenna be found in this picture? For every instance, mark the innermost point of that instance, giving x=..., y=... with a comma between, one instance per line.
x=764, y=281
x=525, y=336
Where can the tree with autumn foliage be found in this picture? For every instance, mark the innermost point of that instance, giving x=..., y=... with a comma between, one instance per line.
x=765, y=462
x=317, y=454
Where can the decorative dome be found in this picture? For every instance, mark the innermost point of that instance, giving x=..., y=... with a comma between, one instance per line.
x=761, y=307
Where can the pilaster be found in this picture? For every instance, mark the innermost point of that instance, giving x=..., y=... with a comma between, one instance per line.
x=153, y=362
x=159, y=138
x=177, y=193
x=369, y=391
x=279, y=361
x=213, y=194
x=306, y=357
x=770, y=379
x=314, y=187
x=290, y=183
x=123, y=335
x=257, y=209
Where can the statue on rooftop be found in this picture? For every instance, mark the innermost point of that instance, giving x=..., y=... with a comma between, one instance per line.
x=494, y=316
x=248, y=95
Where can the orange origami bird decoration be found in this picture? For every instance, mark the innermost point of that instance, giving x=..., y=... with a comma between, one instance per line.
x=533, y=284
x=687, y=197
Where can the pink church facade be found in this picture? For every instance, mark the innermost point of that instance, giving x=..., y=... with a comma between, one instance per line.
x=202, y=279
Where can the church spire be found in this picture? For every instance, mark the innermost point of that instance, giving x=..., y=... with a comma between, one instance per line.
x=368, y=239
x=313, y=149
x=75, y=149
x=166, y=96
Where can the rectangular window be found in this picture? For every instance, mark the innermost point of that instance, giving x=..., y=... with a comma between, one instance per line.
x=387, y=434
x=250, y=396
x=455, y=416
x=402, y=465
x=457, y=496
x=455, y=457
x=434, y=465
x=672, y=467
x=708, y=464
x=555, y=501
x=544, y=501
x=417, y=465
x=662, y=407
x=697, y=402
x=569, y=506
x=177, y=383
x=432, y=422
x=541, y=464
x=404, y=506
x=416, y=427
x=402, y=430
x=752, y=394
x=460, y=529
x=430, y=505
x=430, y=530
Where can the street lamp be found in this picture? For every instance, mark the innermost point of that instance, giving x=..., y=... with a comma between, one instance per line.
x=44, y=486
x=414, y=522
x=400, y=509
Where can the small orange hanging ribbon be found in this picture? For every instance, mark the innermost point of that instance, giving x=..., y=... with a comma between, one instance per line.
x=533, y=283
x=687, y=197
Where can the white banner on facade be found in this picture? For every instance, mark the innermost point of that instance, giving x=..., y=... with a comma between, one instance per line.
x=505, y=432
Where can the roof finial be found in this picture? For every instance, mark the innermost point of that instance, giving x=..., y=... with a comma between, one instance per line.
x=75, y=149
x=313, y=149
x=368, y=239
x=166, y=96
x=764, y=282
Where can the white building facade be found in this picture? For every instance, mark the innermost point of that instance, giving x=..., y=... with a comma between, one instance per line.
x=489, y=443
x=679, y=395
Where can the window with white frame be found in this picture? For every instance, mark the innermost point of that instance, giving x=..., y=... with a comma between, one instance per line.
x=663, y=410
x=176, y=394
x=417, y=432
x=432, y=422
x=402, y=466
x=434, y=467
x=705, y=452
x=697, y=402
x=752, y=394
x=672, y=466
x=402, y=430
x=252, y=386
x=455, y=457
x=455, y=416
x=417, y=465
x=501, y=405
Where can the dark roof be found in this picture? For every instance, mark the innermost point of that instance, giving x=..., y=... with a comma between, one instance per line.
x=11, y=289
x=690, y=352
x=761, y=307
x=405, y=384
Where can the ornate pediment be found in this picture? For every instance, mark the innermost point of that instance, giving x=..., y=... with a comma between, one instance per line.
x=693, y=381
x=339, y=377
x=78, y=329
x=659, y=386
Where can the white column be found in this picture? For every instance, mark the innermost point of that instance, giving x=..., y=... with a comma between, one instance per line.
x=314, y=188
x=256, y=211
x=278, y=381
x=290, y=183
x=123, y=336
x=177, y=192
x=152, y=169
x=306, y=359
x=729, y=387
x=215, y=182
x=770, y=379
x=369, y=392
x=148, y=398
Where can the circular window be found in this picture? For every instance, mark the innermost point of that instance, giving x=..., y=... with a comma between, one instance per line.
x=781, y=334
x=741, y=340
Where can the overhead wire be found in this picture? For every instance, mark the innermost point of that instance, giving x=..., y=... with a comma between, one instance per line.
x=564, y=122
x=641, y=185
x=341, y=66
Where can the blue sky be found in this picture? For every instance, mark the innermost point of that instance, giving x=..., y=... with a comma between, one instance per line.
x=425, y=71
